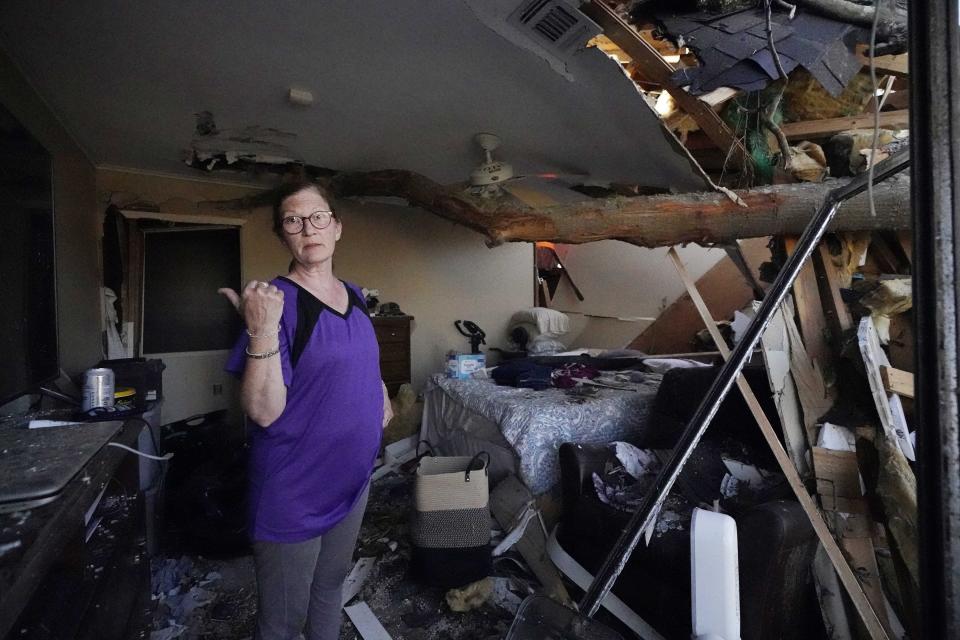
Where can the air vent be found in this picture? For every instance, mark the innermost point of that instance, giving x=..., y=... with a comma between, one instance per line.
x=556, y=25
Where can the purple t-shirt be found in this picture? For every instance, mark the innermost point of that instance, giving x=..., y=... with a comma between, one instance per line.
x=309, y=468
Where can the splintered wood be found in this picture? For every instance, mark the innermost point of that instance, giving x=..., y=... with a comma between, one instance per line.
x=865, y=607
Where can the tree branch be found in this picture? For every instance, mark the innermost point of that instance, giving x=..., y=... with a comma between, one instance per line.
x=891, y=32
x=646, y=221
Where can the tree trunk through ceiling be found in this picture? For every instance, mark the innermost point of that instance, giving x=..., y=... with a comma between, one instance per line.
x=646, y=221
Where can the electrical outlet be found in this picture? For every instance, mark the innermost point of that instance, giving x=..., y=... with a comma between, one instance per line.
x=218, y=389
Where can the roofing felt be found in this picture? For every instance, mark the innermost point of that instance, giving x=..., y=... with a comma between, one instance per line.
x=733, y=50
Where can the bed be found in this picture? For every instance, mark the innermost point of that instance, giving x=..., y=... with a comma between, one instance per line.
x=523, y=429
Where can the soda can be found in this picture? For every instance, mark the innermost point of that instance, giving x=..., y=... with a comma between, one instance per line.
x=98, y=389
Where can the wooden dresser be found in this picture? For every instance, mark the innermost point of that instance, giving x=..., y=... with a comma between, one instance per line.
x=393, y=335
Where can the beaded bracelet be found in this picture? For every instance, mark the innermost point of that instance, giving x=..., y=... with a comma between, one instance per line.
x=264, y=335
x=261, y=356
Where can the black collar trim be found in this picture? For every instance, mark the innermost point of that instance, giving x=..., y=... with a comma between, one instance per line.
x=351, y=298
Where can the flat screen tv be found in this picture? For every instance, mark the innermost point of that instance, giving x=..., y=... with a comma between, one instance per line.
x=28, y=309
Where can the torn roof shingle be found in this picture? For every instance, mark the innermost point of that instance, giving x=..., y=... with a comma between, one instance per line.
x=733, y=50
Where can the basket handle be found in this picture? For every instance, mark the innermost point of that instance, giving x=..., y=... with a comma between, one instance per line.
x=486, y=464
x=428, y=452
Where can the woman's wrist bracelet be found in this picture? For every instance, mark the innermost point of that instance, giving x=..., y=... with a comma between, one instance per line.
x=264, y=335
x=261, y=356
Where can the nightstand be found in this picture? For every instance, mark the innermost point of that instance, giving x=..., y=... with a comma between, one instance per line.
x=393, y=336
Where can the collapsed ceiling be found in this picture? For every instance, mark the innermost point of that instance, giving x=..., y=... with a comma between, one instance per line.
x=395, y=85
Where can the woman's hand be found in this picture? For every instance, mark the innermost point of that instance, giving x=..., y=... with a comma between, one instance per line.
x=260, y=304
x=263, y=395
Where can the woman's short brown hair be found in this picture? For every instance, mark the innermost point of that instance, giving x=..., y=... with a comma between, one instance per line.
x=284, y=191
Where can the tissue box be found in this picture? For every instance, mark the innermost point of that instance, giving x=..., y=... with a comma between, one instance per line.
x=462, y=365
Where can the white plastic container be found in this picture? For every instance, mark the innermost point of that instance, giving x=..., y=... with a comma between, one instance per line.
x=715, y=583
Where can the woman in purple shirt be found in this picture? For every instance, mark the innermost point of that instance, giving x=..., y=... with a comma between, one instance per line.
x=309, y=365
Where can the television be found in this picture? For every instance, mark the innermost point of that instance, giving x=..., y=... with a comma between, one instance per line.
x=28, y=309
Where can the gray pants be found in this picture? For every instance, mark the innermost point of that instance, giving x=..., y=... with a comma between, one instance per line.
x=300, y=584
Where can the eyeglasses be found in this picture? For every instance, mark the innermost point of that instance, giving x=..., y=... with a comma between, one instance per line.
x=319, y=220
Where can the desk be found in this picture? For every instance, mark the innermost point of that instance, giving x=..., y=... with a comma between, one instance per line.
x=63, y=579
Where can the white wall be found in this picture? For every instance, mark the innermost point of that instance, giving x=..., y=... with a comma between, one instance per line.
x=435, y=270
x=625, y=283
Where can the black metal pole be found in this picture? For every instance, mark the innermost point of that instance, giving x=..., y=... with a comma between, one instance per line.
x=935, y=185
x=647, y=512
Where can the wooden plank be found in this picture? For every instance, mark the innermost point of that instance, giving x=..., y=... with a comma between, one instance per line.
x=854, y=526
x=844, y=505
x=719, y=96
x=509, y=498
x=830, y=281
x=863, y=559
x=837, y=473
x=829, y=126
x=830, y=595
x=898, y=65
x=897, y=381
x=654, y=67
x=813, y=322
x=847, y=577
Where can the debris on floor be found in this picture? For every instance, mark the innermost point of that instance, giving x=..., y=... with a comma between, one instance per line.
x=201, y=598
x=214, y=599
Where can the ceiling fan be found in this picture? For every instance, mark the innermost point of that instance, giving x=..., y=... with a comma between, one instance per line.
x=491, y=177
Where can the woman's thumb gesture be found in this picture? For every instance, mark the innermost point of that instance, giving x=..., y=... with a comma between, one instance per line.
x=232, y=296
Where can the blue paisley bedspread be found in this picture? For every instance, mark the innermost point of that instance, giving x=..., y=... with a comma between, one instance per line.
x=536, y=423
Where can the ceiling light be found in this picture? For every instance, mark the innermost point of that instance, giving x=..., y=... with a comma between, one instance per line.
x=300, y=97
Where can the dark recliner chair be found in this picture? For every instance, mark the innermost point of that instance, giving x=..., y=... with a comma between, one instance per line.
x=776, y=541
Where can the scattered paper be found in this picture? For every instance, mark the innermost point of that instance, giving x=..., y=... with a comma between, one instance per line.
x=522, y=520
x=637, y=462
x=354, y=582
x=836, y=438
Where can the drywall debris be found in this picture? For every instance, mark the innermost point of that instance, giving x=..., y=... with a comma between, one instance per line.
x=889, y=407
x=836, y=438
x=517, y=530
x=367, y=624
x=354, y=581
